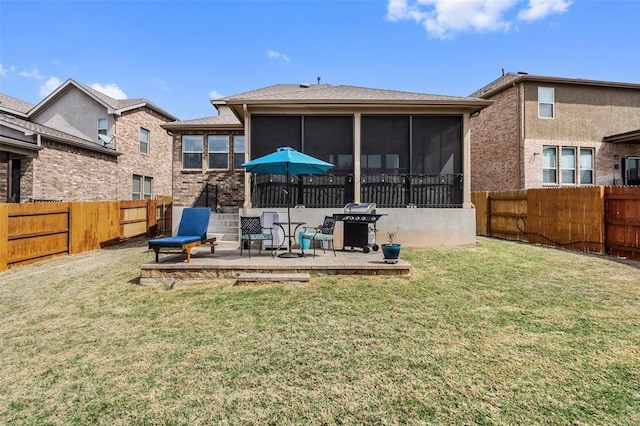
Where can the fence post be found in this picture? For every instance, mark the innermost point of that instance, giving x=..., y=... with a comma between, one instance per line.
x=152, y=220
x=4, y=236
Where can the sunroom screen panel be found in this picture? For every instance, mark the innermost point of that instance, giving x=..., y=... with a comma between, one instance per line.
x=330, y=138
x=270, y=132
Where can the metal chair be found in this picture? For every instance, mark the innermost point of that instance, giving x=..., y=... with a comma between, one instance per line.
x=321, y=233
x=251, y=229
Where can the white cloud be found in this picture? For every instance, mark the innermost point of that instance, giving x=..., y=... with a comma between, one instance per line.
x=161, y=84
x=110, y=89
x=275, y=55
x=214, y=94
x=49, y=86
x=35, y=74
x=539, y=9
x=444, y=18
x=5, y=71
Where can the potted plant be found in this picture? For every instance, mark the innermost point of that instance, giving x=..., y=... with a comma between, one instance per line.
x=391, y=250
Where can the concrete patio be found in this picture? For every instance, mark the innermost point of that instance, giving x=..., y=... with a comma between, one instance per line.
x=227, y=263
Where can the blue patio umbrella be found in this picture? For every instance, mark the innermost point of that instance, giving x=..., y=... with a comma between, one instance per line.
x=287, y=161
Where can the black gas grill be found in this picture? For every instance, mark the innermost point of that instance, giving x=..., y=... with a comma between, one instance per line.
x=359, y=226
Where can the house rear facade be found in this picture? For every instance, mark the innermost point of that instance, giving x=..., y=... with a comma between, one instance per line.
x=80, y=144
x=409, y=153
x=549, y=132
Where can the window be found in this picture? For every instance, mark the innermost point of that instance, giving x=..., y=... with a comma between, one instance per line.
x=192, y=152
x=546, y=99
x=586, y=166
x=144, y=140
x=571, y=169
x=137, y=187
x=568, y=165
x=549, y=164
x=148, y=184
x=238, y=151
x=102, y=126
x=218, y=151
x=142, y=187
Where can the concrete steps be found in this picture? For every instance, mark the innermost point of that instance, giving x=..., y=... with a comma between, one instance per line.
x=225, y=226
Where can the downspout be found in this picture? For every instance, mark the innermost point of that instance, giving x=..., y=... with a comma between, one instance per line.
x=520, y=124
x=247, y=155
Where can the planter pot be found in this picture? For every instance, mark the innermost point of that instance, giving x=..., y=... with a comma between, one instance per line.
x=391, y=252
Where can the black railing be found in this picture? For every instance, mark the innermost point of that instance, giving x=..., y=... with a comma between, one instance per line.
x=423, y=191
x=208, y=197
x=306, y=190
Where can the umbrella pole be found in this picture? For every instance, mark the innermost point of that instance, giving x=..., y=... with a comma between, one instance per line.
x=290, y=253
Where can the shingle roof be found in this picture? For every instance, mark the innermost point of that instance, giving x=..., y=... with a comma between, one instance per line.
x=112, y=102
x=510, y=78
x=328, y=92
x=11, y=104
x=501, y=81
x=55, y=134
x=118, y=105
x=225, y=117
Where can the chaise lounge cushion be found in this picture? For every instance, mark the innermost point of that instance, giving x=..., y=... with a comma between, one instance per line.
x=191, y=232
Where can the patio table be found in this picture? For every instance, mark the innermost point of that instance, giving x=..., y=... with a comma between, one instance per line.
x=285, y=226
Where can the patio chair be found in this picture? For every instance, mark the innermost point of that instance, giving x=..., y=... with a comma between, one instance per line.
x=321, y=233
x=192, y=232
x=251, y=229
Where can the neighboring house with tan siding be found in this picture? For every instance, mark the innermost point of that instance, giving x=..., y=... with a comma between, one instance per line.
x=551, y=131
x=80, y=144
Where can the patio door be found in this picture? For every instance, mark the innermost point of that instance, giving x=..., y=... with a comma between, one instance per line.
x=631, y=171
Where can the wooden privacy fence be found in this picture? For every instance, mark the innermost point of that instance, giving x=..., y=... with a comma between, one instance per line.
x=33, y=232
x=590, y=219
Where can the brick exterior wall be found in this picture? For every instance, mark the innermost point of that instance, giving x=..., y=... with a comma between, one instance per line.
x=68, y=173
x=188, y=184
x=495, y=146
x=156, y=164
x=583, y=116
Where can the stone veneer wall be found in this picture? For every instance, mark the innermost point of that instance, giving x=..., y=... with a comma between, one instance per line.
x=495, y=145
x=187, y=184
x=69, y=173
x=155, y=164
x=4, y=176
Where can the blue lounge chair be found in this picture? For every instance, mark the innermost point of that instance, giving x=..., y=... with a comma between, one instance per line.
x=191, y=233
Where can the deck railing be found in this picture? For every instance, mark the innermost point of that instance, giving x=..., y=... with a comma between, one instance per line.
x=386, y=190
x=208, y=197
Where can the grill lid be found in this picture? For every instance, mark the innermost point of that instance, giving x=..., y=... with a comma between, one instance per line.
x=366, y=208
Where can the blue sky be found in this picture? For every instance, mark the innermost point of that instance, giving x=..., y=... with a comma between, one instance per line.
x=181, y=53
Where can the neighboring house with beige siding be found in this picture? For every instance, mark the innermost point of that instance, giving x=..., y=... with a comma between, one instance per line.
x=80, y=144
x=551, y=131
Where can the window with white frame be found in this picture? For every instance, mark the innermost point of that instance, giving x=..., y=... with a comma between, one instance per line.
x=102, y=126
x=218, y=151
x=573, y=166
x=550, y=164
x=137, y=187
x=546, y=102
x=192, y=151
x=568, y=165
x=586, y=166
x=144, y=140
x=147, y=188
x=238, y=151
x=142, y=187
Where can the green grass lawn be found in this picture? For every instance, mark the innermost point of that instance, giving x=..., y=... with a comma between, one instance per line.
x=499, y=333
